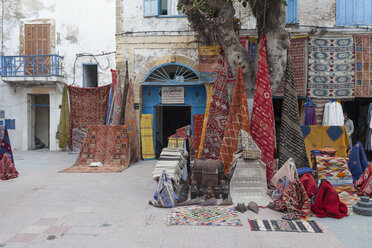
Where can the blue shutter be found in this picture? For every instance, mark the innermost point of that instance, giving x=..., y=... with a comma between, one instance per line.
x=291, y=11
x=150, y=7
x=353, y=12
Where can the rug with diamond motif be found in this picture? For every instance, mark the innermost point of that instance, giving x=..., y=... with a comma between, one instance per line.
x=303, y=226
x=363, y=68
x=204, y=216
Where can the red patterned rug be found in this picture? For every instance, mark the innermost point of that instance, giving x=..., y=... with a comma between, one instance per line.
x=130, y=122
x=7, y=168
x=88, y=106
x=217, y=116
x=198, y=120
x=105, y=144
x=117, y=101
x=299, y=68
x=263, y=129
x=237, y=119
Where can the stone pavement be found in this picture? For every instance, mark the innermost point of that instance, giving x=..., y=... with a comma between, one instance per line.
x=44, y=208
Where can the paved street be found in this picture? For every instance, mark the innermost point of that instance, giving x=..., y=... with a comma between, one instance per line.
x=44, y=208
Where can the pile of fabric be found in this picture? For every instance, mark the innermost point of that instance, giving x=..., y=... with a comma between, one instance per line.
x=174, y=162
x=7, y=168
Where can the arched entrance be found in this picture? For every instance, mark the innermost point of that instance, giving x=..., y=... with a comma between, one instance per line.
x=172, y=93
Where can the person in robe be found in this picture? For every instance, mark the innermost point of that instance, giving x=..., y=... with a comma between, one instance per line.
x=349, y=126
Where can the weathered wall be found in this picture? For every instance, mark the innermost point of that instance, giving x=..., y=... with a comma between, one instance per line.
x=317, y=12
x=77, y=27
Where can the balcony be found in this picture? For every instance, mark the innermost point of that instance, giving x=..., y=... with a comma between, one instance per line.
x=33, y=69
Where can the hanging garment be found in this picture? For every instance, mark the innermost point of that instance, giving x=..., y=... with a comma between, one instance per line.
x=357, y=161
x=364, y=184
x=7, y=168
x=295, y=198
x=291, y=142
x=368, y=145
x=218, y=109
x=263, y=128
x=333, y=114
x=147, y=137
x=64, y=121
x=310, y=116
x=130, y=122
x=237, y=119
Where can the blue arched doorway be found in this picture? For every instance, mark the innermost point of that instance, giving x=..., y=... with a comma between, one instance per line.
x=173, y=94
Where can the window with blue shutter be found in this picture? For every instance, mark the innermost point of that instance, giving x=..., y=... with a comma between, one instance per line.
x=353, y=12
x=150, y=7
x=291, y=11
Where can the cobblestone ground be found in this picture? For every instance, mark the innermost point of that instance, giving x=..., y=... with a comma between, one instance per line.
x=44, y=208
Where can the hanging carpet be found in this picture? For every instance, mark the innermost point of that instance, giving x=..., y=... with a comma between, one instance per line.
x=88, y=106
x=198, y=120
x=291, y=142
x=104, y=144
x=331, y=67
x=208, y=62
x=238, y=118
x=118, y=101
x=130, y=122
x=363, y=69
x=64, y=121
x=263, y=129
x=209, y=98
x=217, y=116
x=147, y=137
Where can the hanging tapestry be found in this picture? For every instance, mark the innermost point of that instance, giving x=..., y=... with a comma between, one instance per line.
x=298, y=57
x=331, y=67
x=147, y=137
x=77, y=138
x=263, y=129
x=317, y=137
x=238, y=118
x=130, y=122
x=217, y=117
x=319, y=109
x=303, y=226
x=209, y=98
x=105, y=149
x=198, y=120
x=5, y=146
x=117, y=101
x=64, y=121
x=88, y=106
x=7, y=168
x=204, y=216
x=208, y=60
x=291, y=142
x=363, y=65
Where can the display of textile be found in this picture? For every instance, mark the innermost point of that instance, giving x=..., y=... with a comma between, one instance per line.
x=208, y=61
x=110, y=105
x=88, y=106
x=130, y=123
x=217, y=116
x=288, y=170
x=117, y=101
x=291, y=142
x=303, y=226
x=319, y=109
x=347, y=195
x=7, y=168
x=77, y=137
x=206, y=116
x=5, y=146
x=296, y=198
x=125, y=93
x=333, y=114
x=357, y=161
x=247, y=147
x=165, y=195
x=331, y=67
x=325, y=137
x=263, y=128
x=364, y=184
x=368, y=145
x=298, y=57
x=363, y=60
x=147, y=136
x=198, y=120
x=204, y=216
x=64, y=121
x=105, y=149
x=310, y=112
x=176, y=142
x=238, y=118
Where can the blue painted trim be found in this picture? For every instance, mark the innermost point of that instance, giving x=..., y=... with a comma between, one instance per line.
x=82, y=65
x=170, y=83
x=188, y=67
x=40, y=105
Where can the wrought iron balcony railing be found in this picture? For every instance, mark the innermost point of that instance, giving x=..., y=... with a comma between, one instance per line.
x=31, y=66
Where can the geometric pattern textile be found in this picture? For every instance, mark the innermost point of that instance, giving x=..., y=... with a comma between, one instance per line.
x=348, y=197
x=331, y=67
x=88, y=106
x=198, y=120
x=208, y=62
x=238, y=118
x=291, y=142
x=319, y=109
x=335, y=170
x=263, y=129
x=217, y=116
x=5, y=146
x=204, y=216
x=303, y=226
x=299, y=66
x=364, y=183
x=117, y=99
x=130, y=123
x=77, y=139
x=7, y=168
x=363, y=65
x=248, y=147
x=106, y=144
x=147, y=137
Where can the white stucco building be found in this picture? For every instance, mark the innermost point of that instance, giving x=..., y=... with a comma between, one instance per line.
x=59, y=39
